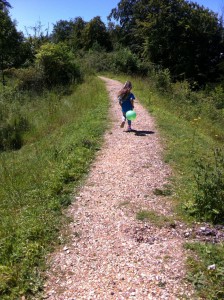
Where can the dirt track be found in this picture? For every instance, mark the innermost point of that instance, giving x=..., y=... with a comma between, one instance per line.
x=112, y=255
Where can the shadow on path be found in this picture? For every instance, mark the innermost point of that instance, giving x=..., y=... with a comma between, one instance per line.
x=141, y=132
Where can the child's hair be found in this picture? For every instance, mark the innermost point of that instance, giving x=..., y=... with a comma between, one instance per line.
x=126, y=89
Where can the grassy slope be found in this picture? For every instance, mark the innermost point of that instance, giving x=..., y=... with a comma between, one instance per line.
x=37, y=181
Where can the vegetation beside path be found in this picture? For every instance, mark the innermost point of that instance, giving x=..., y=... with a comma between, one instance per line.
x=38, y=181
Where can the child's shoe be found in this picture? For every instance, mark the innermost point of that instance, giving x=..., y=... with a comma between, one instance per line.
x=129, y=128
x=122, y=124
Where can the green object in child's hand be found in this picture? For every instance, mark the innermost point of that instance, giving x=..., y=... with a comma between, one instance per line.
x=131, y=115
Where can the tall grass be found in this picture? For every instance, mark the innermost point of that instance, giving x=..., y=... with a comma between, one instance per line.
x=37, y=181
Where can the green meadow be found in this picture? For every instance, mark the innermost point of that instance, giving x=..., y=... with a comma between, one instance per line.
x=38, y=181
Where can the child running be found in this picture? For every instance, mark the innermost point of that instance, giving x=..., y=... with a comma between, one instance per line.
x=126, y=101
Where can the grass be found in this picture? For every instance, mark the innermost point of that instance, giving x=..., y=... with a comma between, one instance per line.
x=206, y=270
x=154, y=218
x=38, y=181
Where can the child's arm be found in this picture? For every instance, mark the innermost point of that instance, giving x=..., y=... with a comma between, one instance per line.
x=120, y=100
x=132, y=103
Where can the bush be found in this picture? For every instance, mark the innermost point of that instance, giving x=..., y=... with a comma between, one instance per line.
x=125, y=61
x=163, y=80
x=11, y=134
x=57, y=64
x=218, y=97
x=27, y=79
x=94, y=61
x=209, y=198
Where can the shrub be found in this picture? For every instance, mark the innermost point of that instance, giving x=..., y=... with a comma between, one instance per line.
x=57, y=64
x=11, y=133
x=209, y=198
x=218, y=97
x=94, y=61
x=125, y=61
x=163, y=80
x=28, y=79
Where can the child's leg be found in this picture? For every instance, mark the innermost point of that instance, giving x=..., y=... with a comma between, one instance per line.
x=123, y=120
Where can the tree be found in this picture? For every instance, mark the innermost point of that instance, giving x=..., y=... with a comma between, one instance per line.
x=95, y=32
x=4, y=5
x=129, y=13
x=177, y=34
x=76, y=41
x=57, y=64
x=115, y=33
x=34, y=40
x=69, y=32
x=10, y=41
x=62, y=31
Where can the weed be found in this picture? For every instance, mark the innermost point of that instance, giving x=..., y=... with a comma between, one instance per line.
x=207, y=280
x=167, y=191
x=209, y=198
x=153, y=217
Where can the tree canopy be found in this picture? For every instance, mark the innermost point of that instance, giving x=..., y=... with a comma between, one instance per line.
x=4, y=5
x=177, y=34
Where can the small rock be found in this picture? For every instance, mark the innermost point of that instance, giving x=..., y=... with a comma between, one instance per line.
x=212, y=267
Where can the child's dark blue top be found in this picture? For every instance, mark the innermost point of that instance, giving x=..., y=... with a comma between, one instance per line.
x=126, y=104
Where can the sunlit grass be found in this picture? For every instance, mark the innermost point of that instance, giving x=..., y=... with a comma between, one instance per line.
x=37, y=181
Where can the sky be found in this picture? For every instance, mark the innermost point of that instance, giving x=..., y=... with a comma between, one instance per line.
x=29, y=13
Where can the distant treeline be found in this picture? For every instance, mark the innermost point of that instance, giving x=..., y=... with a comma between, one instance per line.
x=178, y=35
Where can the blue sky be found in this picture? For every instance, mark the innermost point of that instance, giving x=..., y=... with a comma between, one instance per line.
x=29, y=13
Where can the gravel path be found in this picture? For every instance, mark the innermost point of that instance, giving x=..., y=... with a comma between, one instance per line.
x=111, y=254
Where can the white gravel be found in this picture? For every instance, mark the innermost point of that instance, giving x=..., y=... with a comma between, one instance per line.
x=110, y=254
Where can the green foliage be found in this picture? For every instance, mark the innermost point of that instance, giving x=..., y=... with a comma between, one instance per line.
x=119, y=61
x=218, y=97
x=163, y=80
x=207, y=280
x=69, y=32
x=10, y=41
x=57, y=64
x=96, y=61
x=62, y=31
x=30, y=78
x=78, y=34
x=13, y=121
x=166, y=191
x=95, y=32
x=4, y=5
x=10, y=137
x=38, y=181
x=125, y=61
x=179, y=35
x=209, y=198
